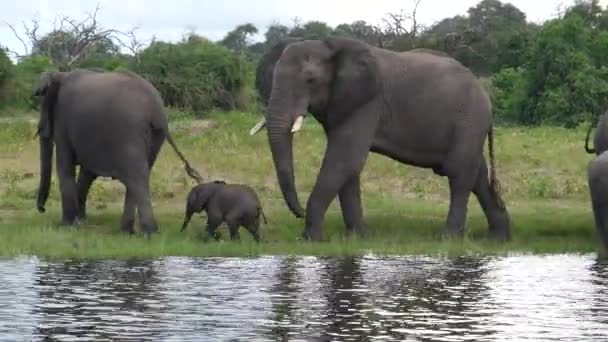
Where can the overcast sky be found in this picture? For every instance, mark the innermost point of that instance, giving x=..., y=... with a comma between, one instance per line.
x=170, y=19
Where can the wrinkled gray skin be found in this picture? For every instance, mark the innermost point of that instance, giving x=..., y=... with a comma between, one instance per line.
x=111, y=125
x=600, y=138
x=597, y=176
x=236, y=204
x=419, y=108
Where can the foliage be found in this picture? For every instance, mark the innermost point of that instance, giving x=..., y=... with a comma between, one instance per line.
x=195, y=73
x=552, y=73
x=565, y=84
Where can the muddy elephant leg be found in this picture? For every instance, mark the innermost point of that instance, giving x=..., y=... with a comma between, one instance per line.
x=350, y=203
x=66, y=172
x=347, y=150
x=499, y=225
x=85, y=180
x=127, y=222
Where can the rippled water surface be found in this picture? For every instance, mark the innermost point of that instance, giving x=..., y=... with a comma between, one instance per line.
x=535, y=298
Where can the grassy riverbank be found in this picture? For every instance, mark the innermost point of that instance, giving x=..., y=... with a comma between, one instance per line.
x=542, y=171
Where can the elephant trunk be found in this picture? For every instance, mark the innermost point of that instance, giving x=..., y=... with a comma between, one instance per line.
x=282, y=117
x=46, y=168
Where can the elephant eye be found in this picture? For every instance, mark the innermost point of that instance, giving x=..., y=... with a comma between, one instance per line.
x=310, y=80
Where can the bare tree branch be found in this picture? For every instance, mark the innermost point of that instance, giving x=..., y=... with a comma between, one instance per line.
x=25, y=48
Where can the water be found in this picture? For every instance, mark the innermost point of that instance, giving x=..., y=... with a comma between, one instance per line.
x=535, y=298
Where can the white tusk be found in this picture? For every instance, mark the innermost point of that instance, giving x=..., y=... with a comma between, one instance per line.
x=258, y=127
x=297, y=125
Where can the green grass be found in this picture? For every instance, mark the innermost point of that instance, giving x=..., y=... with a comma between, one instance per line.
x=542, y=172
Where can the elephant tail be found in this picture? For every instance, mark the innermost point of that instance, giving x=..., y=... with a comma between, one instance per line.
x=189, y=169
x=593, y=124
x=261, y=211
x=494, y=183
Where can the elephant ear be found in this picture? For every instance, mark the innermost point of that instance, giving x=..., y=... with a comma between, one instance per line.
x=265, y=69
x=47, y=87
x=356, y=78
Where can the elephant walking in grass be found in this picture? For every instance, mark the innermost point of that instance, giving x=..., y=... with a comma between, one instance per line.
x=111, y=124
x=419, y=108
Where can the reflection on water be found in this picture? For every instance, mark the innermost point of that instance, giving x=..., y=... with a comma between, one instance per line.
x=536, y=298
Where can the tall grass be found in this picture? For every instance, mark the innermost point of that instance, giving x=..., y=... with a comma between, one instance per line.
x=542, y=171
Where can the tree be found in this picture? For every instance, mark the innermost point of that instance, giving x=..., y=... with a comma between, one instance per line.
x=275, y=33
x=311, y=30
x=71, y=41
x=564, y=84
x=239, y=39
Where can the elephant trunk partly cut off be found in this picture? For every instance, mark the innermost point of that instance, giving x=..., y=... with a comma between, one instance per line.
x=46, y=168
x=48, y=89
x=283, y=119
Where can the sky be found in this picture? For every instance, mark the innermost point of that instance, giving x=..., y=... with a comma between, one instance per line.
x=169, y=20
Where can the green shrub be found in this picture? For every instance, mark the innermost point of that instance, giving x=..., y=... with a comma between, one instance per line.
x=196, y=74
x=6, y=73
x=508, y=89
x=18, y=89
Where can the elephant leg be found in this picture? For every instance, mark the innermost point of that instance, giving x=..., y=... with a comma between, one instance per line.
x=600, y=214
x=254, y=228
x=158, y=138
x=233, y=222
x=460, y=190
x=350, y=203
x=140, y=190
x=497, y=216
x=347, y=150
x=213, y=222
x=66, y=172
x=128, y=214
x=85, y=180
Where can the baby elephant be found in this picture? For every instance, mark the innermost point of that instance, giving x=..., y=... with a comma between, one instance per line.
x=597, y=174
x=236, y=204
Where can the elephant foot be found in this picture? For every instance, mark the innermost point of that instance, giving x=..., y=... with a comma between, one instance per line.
x=500, y=235
x=312, y=235
x=75, y=222
x=82, y=214
x=150, y=228
x=452, y=234
x=127, y=226
x=359, y=230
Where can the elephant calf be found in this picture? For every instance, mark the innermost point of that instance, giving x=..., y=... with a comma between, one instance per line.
x=597, y=174
x=236, y=204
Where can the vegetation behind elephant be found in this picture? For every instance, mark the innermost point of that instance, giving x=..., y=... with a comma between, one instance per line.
x=600, y=139
x=597, y=176
x=236, y=204
x=111, y=124
x=419, y=108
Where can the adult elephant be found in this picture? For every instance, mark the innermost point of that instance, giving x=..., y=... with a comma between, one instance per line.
x=111, y=124
x=419, y=108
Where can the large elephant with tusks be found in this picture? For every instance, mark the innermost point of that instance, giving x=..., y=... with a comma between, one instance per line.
x=417, y=107
x=111, y=124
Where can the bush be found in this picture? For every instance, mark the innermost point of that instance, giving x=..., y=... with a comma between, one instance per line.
x=196, y=74
x=6, y=73
x=18, y=88
x=508, y=88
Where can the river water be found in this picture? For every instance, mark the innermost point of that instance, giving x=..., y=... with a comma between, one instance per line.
x=514, y=298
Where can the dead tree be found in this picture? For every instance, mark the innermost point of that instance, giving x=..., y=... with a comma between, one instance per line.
x=70, y=40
